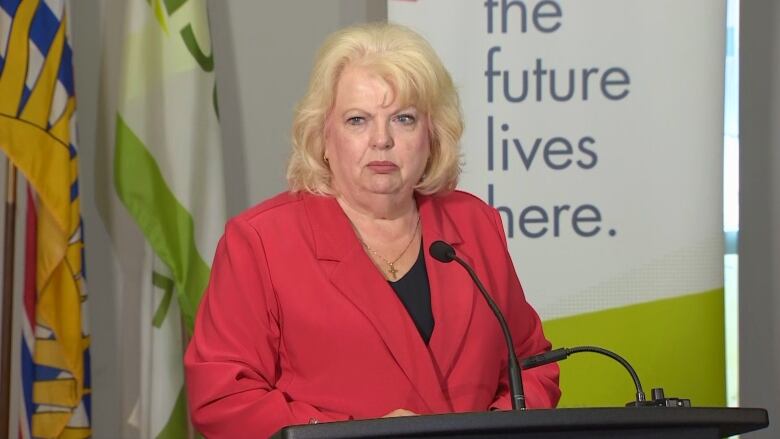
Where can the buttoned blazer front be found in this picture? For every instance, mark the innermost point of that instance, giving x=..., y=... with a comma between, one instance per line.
x=297, y=325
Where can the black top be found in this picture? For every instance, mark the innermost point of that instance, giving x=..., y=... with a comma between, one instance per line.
x=415, y=293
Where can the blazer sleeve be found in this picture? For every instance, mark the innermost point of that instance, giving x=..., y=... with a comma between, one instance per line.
x=540, y=384
x=232, y=361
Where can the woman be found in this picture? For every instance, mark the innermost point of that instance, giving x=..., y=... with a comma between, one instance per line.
x=323, y=304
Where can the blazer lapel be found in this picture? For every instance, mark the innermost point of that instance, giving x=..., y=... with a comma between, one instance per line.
x=355, y=276
x=452, y=290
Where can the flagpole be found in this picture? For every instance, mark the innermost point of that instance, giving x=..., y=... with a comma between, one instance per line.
x=8, y=297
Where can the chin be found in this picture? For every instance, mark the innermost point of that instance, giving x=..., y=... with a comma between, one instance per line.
x=384, y=191
x=388, y=190
x=384, y=187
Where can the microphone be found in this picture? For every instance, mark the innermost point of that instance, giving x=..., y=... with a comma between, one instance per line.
x=659, y=400
x=443, y=252
x=559, y=354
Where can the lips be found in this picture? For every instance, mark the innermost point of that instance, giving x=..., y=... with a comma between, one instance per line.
x=382, y=166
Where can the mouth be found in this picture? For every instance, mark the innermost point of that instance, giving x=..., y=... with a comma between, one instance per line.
x=382, y=166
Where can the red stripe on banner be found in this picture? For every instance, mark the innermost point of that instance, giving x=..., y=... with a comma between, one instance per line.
x=30, y=258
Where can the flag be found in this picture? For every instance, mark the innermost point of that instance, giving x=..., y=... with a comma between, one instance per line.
x=167, y=172
x=37, y=133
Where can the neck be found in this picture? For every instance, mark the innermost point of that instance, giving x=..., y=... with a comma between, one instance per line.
x=387, y=227
x=381, y=224
x=389, y=207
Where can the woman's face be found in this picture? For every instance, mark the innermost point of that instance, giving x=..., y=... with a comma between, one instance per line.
x=373, y=145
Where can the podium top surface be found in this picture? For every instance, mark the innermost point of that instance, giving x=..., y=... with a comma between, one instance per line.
x=728, y=421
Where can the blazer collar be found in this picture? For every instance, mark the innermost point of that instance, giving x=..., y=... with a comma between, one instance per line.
x=333, y=235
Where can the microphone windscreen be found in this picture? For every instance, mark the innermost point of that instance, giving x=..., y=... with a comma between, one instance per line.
x=441, y=251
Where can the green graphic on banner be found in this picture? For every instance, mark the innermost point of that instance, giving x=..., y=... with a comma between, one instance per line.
x=677, y=344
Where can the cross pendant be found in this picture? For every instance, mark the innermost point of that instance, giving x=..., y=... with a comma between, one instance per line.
x=393, y=271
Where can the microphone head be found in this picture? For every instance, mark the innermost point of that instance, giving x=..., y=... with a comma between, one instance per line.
x=441, y=251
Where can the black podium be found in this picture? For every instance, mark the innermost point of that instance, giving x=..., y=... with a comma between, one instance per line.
x=629, y=422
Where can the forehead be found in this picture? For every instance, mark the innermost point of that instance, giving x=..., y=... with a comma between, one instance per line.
x=359, y=85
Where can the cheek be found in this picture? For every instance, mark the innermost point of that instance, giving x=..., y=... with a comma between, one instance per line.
x=341, y=149
x=333, y=139
x=425, y=139
x=424, y=149
x=334, y=143
x=424, y=162
x=344, y=155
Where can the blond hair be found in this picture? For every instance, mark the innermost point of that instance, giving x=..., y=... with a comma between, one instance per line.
x=408, y=63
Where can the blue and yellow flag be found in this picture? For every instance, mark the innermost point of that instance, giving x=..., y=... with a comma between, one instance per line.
x=37, y=133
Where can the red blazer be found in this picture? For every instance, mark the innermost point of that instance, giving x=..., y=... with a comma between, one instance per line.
x=297, y=324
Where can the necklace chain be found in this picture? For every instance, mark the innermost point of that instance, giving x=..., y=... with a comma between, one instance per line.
x=392, y=270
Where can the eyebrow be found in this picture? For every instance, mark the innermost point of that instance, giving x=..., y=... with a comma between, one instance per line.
x=353, y=109
x=408, y=108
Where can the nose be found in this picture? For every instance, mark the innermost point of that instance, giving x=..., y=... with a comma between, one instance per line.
x=382, y=137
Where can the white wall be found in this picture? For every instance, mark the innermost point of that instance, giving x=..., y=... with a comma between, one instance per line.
x=264, y=52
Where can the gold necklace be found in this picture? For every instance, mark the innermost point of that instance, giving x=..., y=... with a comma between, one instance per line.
x=392, y=270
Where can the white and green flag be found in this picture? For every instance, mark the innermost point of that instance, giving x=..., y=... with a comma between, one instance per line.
x=167, y=173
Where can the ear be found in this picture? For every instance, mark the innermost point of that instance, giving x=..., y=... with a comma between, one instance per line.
x=324, y=151
x=325, y=135
x=326, y=127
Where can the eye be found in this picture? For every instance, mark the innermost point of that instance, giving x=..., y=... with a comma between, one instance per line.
x=356, y=120
x=406, y=119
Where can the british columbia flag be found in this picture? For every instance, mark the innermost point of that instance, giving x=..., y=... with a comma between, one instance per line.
x=38, y=135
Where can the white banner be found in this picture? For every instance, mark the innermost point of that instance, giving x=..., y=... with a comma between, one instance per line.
x=596, y=128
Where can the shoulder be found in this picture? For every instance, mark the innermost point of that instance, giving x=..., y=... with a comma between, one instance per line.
x=460, y=203
x=468, y=212
x=461, y=197
x=280, y=205
x=269, y=217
